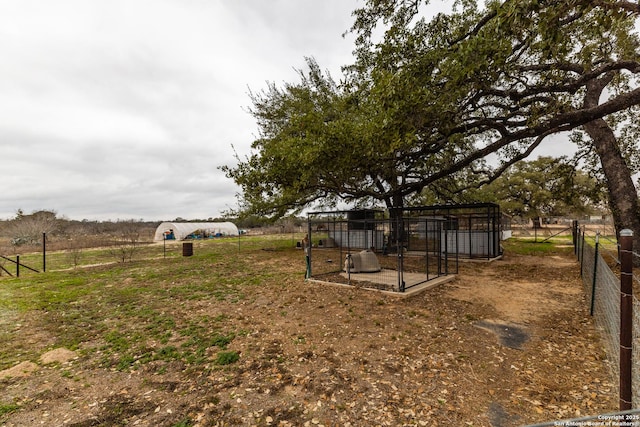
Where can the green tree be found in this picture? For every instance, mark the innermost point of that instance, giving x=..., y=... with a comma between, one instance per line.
x=299, y=134
x=433, y=98
x=545, y=187
x=323, y=142
x=517, y=72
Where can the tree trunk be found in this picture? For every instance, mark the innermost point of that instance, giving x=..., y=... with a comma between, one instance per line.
x=396, y=236
x=623, y=198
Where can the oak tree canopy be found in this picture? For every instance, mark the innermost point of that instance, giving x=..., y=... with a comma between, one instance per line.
x=427, y=99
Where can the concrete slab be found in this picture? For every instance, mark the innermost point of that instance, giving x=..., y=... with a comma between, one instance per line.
x=415, y=282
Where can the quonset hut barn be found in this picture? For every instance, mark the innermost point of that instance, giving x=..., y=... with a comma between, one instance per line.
x=194, y=230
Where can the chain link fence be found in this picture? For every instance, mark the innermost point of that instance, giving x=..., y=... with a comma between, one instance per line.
x=599, y=258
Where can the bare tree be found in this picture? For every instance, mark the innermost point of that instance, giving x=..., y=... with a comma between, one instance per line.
x=28, y=229
x=126, y=242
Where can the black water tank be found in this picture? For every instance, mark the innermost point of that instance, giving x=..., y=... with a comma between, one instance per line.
x=187, y=249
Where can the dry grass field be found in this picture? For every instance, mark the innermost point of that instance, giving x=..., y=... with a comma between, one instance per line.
x=235, y=336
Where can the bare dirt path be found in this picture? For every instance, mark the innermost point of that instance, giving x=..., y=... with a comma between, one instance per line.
x=505, y=344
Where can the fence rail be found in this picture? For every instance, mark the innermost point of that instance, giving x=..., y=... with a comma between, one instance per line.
x=17, y=263
x=600, y=269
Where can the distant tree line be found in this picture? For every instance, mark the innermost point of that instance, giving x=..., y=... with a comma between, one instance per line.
x=545, y=187
x=27, y=230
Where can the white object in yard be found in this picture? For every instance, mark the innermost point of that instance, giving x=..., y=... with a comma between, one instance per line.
x=362, y=262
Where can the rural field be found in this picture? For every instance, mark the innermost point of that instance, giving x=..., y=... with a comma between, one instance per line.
x=234, y=335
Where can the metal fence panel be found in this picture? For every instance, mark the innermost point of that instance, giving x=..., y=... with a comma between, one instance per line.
x=602, y=289
x=635, y=369
x=396, y=253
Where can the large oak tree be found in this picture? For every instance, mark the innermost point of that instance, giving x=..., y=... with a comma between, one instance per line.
x=434, y=98
x=522, y=70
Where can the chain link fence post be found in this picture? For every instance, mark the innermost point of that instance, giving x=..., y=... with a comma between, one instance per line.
x=595, y=275
x=626, y=317
x=582, y=240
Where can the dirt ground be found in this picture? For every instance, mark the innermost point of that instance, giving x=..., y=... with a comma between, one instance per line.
x=506, y=343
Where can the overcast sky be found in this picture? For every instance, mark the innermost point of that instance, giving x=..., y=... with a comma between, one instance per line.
x=120, y=109
x=125, y=109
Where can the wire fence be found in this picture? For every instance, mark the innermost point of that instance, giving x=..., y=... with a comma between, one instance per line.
x=599, y=258
x=636, y=341
x=32, y=259
x=363, y=248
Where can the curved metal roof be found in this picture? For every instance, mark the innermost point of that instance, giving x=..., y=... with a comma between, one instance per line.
x=182, y=229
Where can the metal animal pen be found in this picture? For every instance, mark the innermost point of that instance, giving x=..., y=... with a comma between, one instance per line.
x=479, y=226
x=401, y=251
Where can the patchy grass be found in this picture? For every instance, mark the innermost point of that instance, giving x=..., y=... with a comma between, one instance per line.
x=135, y=312
x=7, y=408
x=227, y=357
x=233, y=335
x=529, y=246
x=78, y=258
x=184, y=423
